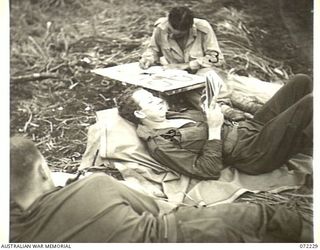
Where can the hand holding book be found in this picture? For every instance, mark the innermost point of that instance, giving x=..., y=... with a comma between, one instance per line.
x=215, y=120
x=215, y=117
x=213, y=85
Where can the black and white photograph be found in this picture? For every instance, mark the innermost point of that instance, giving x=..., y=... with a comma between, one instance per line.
x=153, y=121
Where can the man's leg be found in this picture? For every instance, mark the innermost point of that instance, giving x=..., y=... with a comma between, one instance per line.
x=287, y=134
x=239, y=222
x=296, y=88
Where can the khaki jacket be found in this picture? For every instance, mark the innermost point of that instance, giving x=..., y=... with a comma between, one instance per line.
x=202, y=41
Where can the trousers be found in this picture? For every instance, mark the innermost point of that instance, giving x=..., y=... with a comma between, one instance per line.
x=238, y=222
x=280, y=129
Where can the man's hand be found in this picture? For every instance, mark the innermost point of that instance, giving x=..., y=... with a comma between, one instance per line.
x=144, y=63
x=208, y=61
x=215, y=120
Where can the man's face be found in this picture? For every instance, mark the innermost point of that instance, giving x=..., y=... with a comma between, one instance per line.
x=152, y=108
x=176, y=34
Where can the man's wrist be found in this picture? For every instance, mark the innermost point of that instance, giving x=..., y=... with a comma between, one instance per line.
x=185, y=66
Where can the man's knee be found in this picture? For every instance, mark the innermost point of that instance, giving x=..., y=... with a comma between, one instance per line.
x=307, y=102
x=303, y=82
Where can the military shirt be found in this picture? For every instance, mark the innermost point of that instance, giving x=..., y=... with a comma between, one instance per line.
x=94, y=209
x=201, y=42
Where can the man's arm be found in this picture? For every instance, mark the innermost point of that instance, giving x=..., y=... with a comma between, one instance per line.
x=116, y=213
x=151, y=55
x=204, y=165
x=213, y=55
x=212, y=48
x=138, y=201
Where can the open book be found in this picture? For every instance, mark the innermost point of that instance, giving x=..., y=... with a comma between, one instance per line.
x=213, y=85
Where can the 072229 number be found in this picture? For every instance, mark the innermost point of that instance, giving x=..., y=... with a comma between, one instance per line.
x=308, y=245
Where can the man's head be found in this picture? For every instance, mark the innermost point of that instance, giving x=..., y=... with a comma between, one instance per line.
x=138, y=105
x=26, y=165
x=180, y=20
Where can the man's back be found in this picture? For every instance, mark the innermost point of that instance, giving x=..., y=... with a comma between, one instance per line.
x=94, y=209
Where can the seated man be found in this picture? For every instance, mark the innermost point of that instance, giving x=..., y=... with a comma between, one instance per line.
x=100, y=209
x=199, y=146
x=181, y=41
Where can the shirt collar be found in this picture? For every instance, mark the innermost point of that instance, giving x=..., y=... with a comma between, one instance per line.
x=193, y=31
x=164, y=25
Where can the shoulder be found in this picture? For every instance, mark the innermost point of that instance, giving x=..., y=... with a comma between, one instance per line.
x=202, y=25
x=161, y=23
x=144, y=132
x=96, y=182
x=94, y=179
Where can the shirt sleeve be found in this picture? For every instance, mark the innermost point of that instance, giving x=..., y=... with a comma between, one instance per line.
x=211, y=45
x=153, y=51
x=210, y=48
x=124, y=215
x=139, y=202
x=206, y=164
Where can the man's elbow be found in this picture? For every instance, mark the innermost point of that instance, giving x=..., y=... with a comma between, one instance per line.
x=210, y=171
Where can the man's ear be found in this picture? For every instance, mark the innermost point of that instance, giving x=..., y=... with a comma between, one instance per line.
x=139, y=114
x=41, y=166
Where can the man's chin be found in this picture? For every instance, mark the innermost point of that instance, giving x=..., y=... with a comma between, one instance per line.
x=161, y=117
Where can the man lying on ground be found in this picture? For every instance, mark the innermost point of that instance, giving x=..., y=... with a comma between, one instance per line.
x=100, y=209
x=200, y=145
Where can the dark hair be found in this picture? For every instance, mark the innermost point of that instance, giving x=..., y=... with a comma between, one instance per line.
x=181, y=18
x=127, y=105
x=23, y=155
